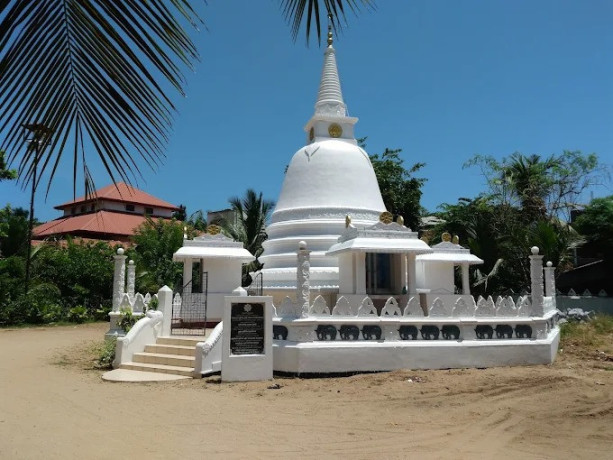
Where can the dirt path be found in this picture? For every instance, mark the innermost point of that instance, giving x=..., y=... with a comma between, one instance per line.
x=51, y=406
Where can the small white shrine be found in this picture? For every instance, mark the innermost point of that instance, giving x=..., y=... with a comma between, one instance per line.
x=215, y=263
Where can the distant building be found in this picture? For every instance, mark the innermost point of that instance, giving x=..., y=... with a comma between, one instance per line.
x=219, y=217
x=111, y=214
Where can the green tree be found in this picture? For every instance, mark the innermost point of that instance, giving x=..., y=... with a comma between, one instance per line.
x=92, y=70
x=596, y=226
x=541, y=187
x=81, y=271
x=6, y=174
x=13, y=231
x=249, y=226
x=155, y=243
x=523, y=206
x=197, y=221
x=400, y=190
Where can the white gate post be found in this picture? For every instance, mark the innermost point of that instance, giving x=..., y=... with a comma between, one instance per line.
x=165, y=306
x=119, y=278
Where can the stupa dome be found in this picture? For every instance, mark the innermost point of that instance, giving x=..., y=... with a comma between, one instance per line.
x=332, y=176
x=327, y=179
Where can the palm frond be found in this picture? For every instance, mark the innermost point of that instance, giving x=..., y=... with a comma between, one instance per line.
x=294, y=11
x=89, y=71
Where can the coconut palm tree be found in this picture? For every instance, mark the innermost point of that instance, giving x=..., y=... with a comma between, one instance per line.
x=248, y=224
x=530, y=179
x=93, y=72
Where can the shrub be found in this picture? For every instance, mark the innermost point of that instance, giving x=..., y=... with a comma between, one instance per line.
x=106, y=354
x=127, y=320
x=78, y=314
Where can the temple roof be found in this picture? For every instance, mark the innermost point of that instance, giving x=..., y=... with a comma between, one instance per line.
x=379, y=238
x=113, y=223
x=447, y=251
x=217, y=246
x=124, y=193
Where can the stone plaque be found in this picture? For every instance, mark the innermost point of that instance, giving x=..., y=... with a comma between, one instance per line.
x=247, y=329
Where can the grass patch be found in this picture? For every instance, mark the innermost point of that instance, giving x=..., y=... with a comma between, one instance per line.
x=594, y=334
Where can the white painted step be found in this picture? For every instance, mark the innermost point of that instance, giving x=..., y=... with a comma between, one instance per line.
x=160, y=358
x=181, y=341
x=170, y=349
x=162, y=368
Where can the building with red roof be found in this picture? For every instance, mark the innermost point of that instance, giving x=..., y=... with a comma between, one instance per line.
x=111, y=214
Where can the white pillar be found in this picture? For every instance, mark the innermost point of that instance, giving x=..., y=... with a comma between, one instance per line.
x=465, y=279
x=360, y=273
x=187, y=276
x=119, y=278
x=165, y=306
x=550, y=282
x=403, y=273
x=411, y=265
x=536, y=282
x=131, y=279
x=303, y=274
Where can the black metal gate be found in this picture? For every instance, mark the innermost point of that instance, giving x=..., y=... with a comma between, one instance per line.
x=189, y=314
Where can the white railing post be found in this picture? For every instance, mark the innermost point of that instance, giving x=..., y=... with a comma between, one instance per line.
x=550, y=282
x=131, y=280
x=119, y=278
x=536, y=282
x=165, y=306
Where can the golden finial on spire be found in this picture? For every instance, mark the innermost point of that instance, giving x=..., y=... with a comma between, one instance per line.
x=329, y=29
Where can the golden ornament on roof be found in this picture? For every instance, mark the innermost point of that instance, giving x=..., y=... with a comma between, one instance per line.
x=456, y=239
x=446, y=237
x=347, y=220
x=386, y=217
x=400, y=220
x=335, y=130
x=213, y=229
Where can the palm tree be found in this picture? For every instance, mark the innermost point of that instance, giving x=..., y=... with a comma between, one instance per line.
x=91, y=72
x=530, y=180
x=249, y=225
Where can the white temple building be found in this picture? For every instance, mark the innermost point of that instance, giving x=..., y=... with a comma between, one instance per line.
x=327, y=179
x=348, y=289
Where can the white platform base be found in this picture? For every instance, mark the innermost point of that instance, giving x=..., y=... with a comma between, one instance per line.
x=325, y=357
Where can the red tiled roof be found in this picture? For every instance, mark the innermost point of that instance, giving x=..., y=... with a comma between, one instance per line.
x=111, y=223
x=122, y=192
x=78, y=240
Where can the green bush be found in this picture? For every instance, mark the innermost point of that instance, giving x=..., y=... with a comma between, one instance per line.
x=153, y=304
x=41, y=304
x=106, y=354
x=127, y=320
x=78, y=314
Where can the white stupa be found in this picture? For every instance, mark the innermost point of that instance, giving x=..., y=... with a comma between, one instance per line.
x=329, y=178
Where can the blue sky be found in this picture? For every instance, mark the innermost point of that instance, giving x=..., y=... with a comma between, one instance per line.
x=441, y=79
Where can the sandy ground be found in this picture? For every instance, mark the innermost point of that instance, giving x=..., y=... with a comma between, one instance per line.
x=54, y=405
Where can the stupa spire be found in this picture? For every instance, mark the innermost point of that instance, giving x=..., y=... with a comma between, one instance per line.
x=330, y=98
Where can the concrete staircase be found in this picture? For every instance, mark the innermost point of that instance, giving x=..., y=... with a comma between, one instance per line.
x=169, y=355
